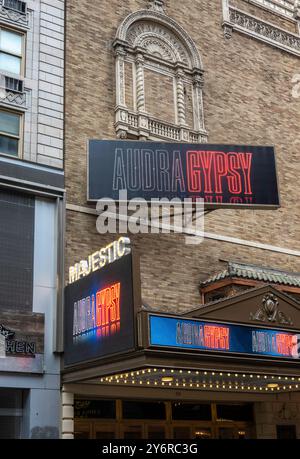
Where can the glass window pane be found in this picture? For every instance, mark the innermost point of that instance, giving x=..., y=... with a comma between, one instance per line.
x=9, y=146
x=105, y=409
x=191, y=411
x=9, y=123
x=10, y=63
x=235, y=412
x=11, y=42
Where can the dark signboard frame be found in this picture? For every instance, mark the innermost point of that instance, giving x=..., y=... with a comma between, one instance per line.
x=264, y=163
x=106, y=276
x=145, y=340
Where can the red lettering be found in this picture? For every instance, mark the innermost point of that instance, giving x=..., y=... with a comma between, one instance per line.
x=108, y=305
x=246, y=162
x=234, y=179
x=216, y=337
x=193, y=171
x=220, y=170
x=284, y=344
x=206, y=159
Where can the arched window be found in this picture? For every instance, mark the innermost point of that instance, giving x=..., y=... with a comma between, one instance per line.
x=159, y=79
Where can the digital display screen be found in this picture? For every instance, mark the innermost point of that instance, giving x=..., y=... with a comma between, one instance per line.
x=207, y=336
x=99, y=313
x=231, y=175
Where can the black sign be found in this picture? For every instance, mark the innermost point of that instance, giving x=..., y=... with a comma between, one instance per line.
x=223, y=175
x=99, y=313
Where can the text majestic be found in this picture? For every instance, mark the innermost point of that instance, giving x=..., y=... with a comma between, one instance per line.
x=204, y=173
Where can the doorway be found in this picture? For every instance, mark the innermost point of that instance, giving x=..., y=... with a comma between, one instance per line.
x=129, y=419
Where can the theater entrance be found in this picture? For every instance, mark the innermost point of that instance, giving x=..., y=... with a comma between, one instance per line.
x=128, y=419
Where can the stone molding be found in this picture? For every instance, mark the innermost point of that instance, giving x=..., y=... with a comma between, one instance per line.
x=237, y=20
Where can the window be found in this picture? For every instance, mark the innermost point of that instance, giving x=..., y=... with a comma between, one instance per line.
x=10, y=127
x=16, y=5
x=11, y=51
x=235, y=412
x=144, y=410
x=11, y=412
x=191, y=411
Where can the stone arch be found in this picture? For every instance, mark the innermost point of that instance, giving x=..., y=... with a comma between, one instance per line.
x=149, y=40
x=167, y=23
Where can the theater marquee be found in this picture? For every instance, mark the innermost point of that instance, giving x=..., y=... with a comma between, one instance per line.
x=223, y=175
x=100, y=312
x=176, y=332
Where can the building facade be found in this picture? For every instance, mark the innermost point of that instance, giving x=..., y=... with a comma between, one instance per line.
x=31, y=201
x=223, y=72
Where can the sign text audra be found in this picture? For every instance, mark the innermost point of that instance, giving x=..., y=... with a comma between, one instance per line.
x=201, y=172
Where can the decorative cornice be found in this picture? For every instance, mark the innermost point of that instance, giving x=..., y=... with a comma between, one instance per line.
x=269, y=311
x=267, y=32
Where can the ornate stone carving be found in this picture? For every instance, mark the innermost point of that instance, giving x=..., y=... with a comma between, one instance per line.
x=265, y=31
x=156, y=47
x=14, y=17
x=156, y=5
x=144, y=34
x=169, y=24
x=269, y=311
x=154, y=41
x=14, y=99
x=227, y=30
x=297, y=10
x=122, y=135
x=287, y=412
x=180, y=97
x=198, y=79
x=140, y=89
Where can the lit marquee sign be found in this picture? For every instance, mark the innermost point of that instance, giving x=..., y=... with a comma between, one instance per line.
x=99, y=259
x=99, y=312
x=227, y=338
x=231, y=175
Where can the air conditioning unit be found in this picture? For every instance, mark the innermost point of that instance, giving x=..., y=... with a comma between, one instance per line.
x=16, y=5
x=12, y=84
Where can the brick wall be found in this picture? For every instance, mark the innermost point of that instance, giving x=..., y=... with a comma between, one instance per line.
x=247, y=100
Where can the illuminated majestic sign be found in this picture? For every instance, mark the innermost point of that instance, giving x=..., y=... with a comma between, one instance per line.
x=228, y=338
x=99, y=259
x=99, y=312
x=220, y=174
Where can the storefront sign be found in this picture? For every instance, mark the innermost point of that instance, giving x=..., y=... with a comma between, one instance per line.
x=21, y=342
x=99, y=259
x=223, y=175
x=99, y=312
x=227, y=338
